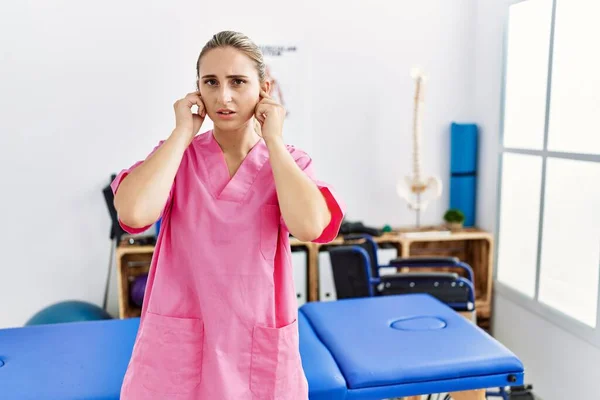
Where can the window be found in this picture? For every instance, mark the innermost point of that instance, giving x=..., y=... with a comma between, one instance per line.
x=568, y=279
x=548, y=255
x=519, y=219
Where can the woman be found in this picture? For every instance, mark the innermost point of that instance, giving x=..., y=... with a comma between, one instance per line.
x=219, y=314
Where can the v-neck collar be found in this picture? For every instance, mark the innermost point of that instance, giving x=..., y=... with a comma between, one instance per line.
x=233, y=188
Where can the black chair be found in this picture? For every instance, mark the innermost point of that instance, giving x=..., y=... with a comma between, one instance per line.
x=356, y=269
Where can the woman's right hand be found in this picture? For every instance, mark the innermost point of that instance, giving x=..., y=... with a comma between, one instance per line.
x=187, y=122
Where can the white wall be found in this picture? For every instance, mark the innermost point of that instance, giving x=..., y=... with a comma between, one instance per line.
x=87, y=88
x=558, y=364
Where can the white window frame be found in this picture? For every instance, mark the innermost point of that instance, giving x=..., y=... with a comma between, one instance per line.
x=557, y=318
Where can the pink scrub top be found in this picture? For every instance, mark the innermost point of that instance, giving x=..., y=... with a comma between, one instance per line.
x=219, y=318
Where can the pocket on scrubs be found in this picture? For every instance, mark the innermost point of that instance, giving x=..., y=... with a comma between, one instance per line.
x=269, y=230
x=170, y=359
x=276, y=363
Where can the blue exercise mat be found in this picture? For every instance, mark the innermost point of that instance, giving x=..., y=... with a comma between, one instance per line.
x=464, y=139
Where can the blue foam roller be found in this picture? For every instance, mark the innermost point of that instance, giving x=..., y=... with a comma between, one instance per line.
x=462, y=196
x=463, y=148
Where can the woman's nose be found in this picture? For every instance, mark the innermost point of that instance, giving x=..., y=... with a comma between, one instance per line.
x=225, y=95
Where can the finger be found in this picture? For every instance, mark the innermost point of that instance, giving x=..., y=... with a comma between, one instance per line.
x=260, y=110
x=269, y=102
x=201, y=109
x=264, y=94
x=267, y=99
x=195, y=96
x=192, y=100
x=260, y=115
x=260, y=118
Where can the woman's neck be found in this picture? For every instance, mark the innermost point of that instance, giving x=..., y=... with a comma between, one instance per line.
x=239, y=141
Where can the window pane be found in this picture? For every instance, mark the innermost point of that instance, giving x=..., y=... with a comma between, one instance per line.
x=575, y=95
x=519, y=221
x=571, y=238
x=527, y=74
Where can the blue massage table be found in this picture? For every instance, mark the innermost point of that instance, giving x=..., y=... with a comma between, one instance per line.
x=367, y=348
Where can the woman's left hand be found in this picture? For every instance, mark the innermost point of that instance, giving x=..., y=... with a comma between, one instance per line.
x=271, y=115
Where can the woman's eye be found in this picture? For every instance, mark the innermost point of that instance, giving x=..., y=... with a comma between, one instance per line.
x=210, y=82
x=238, y=81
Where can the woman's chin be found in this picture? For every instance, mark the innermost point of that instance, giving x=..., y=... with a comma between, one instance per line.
x=230, y=124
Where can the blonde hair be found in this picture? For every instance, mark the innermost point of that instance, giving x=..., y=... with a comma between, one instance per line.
x=240, y=42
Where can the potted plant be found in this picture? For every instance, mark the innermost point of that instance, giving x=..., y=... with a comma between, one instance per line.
x=454, y=219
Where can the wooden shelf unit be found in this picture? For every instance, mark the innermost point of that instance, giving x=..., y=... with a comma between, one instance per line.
x=131, y=262
x=473, y=246
x=470, y=245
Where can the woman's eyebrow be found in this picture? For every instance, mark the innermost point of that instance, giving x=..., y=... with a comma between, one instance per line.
x=228, y=76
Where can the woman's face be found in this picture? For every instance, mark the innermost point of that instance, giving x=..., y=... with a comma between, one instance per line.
x=228, y=80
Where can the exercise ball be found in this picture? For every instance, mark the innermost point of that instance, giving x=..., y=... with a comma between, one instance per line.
x=68, y=311
x=138, y=287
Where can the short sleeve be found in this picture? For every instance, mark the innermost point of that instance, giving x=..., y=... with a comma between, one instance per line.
x=335, y=204
x=117, y=182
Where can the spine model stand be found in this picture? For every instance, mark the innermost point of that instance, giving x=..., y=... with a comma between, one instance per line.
x=418, y=190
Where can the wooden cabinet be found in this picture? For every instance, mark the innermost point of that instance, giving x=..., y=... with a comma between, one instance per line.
x=473, y=246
